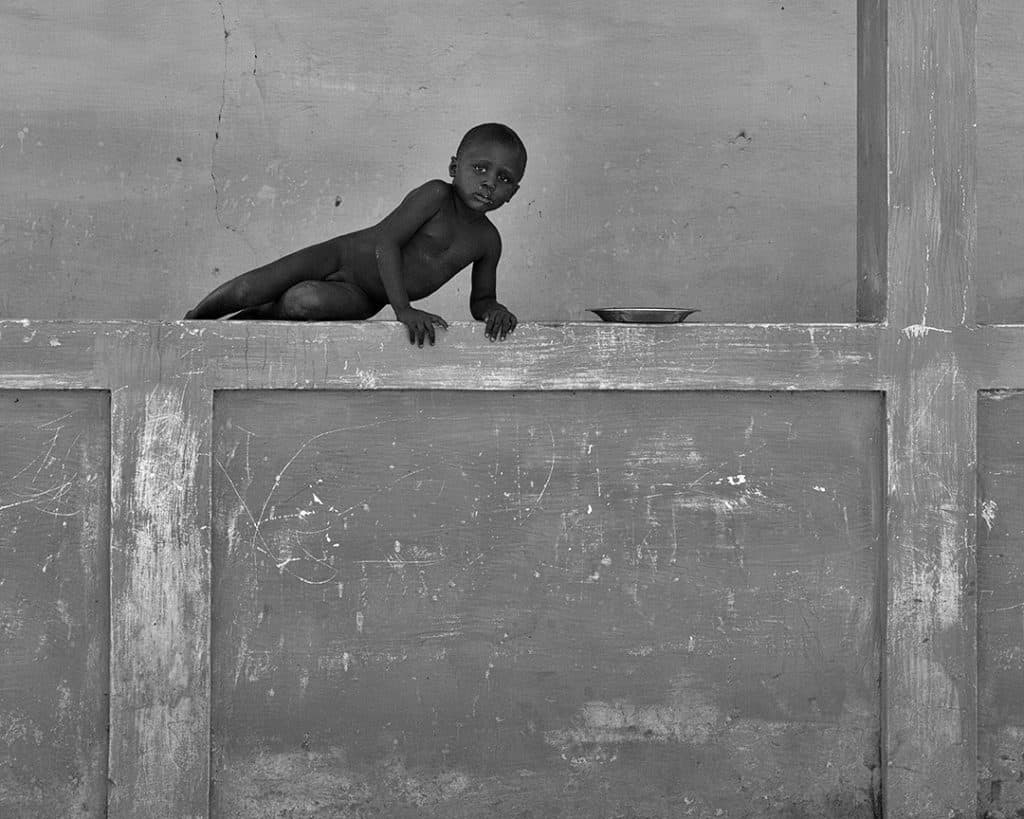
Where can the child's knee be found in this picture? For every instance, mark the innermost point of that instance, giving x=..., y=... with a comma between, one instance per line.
x=302, y=301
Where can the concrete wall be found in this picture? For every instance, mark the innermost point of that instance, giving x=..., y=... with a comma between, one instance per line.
x=683, y=152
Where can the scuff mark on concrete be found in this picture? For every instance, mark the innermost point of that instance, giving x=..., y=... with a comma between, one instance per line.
x=325, y=783
x=921, y=330
x=689, y=715
x=988, y=512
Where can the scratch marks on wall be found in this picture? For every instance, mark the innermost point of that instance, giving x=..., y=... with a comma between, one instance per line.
x=933, y=586
x=313, y=511
x=217, y=127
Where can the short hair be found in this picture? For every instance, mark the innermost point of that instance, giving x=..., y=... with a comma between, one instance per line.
x=497, y=132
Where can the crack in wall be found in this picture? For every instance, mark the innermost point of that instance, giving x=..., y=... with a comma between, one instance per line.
x=216, y=133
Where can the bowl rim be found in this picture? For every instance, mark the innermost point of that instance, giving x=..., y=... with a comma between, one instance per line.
x=646, y=309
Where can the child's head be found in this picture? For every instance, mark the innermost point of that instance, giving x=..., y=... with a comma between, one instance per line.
x=488, y=166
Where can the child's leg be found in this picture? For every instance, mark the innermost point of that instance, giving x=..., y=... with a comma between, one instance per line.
x=253, y=289
x=269, y=282
x=325, y=301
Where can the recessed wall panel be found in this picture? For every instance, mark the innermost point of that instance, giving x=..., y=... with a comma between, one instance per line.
x=461, y=604
x=54, y=600
x=1001, y=602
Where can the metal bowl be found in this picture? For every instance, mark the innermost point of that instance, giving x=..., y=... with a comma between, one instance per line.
x=643, y=315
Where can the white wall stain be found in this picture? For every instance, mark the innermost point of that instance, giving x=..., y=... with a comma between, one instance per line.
x=688, y=715
x=921, y=330
x=988, y=512
x=367, y=379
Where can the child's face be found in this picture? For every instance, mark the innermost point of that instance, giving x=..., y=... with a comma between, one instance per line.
x=486, y=174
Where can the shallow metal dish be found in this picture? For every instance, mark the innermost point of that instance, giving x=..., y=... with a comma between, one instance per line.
x=643, y=315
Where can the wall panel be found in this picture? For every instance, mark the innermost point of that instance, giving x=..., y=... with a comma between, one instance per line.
x=1001, y=602
x=463, y=604
x=54, y=601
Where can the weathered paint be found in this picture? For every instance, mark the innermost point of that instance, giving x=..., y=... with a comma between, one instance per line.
x=276, y=355
x=931, y=639
x=546, y=599
x=1001, y=603
x=159, y=682
x=54, y=604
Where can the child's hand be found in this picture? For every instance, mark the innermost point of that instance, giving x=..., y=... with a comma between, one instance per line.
x=499, y=322
x=420, y=324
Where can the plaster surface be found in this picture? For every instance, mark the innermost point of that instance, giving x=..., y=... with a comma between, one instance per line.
x=687, y=153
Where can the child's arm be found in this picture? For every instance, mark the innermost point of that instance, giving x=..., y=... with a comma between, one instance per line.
x=398, y=228
x=483, y=303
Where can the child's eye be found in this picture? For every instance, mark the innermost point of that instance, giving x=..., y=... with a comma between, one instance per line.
x=506, y=179
x=479, y=168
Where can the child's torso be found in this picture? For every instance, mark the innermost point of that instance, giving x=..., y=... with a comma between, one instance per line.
x=443, y=246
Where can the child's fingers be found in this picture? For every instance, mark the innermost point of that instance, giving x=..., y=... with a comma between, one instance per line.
x=431, y=321
x=506, y=325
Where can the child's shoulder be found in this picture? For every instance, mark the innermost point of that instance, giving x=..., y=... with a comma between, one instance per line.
x=430, y=197
x=435, y=188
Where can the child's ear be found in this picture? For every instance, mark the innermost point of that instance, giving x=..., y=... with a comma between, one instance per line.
x=451, y=167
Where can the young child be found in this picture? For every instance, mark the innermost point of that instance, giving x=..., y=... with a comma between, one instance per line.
x=436, y=231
